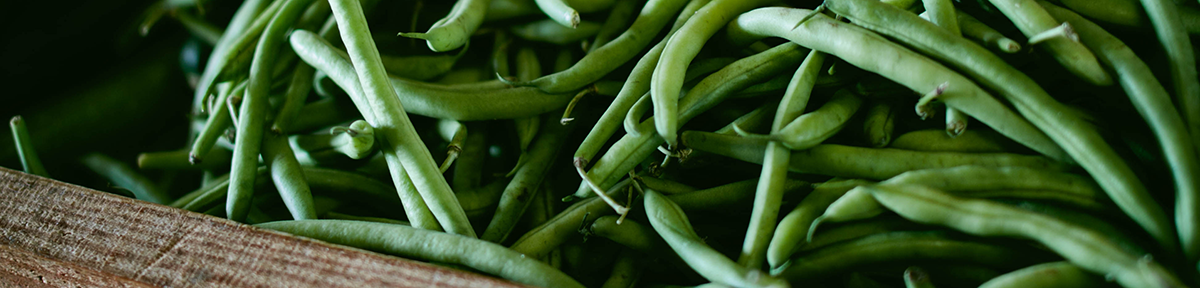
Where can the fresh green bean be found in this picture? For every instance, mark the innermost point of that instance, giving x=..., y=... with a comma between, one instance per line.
x=791, y=231
x=455, y=29
x=857, y=162
x=1081, y=246
x=252, y=115
x=856, y=204
x=626, y=271
x=860, y=47
x=903, y=246
x=915, y=277
x=539, y=241
x=1154, y=104
x=636, y=85
x=124, y=177
x=356, y=141
x=522, y=188
x=681, y=48
x=207, y=32
x=737, y=194
x=340, y=216
x=632, y=235
x=238, y=53
x=288, y=177
x=481, y=200
x=936, y=140
x=1035, y=22
x=218, y=120
x=1054, y=274
x=29, y=159
x=879, y=124
x=974, y=29
x=406, y=241
x=549, y=31
x=468, y=172
x=456, y=133
x=560, y=12
x=528, y=68
x=432, y=100
x=241, y=21
x=942, y=13
x=666, y=186
x=297, y=93
x=178, y=160
x=671, y=223
x=1167, y=24
x=815, y=127
x=420, y=67
x=1078, y=138
x=769, y=192
x=840, y=233
x=394, y=124
x=713, y=89
x=606, y=58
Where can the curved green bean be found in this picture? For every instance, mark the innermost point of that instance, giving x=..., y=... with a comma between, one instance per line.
x=521, y=189
x=406, y=241
x=791, y=232
x=879, y=124
x=125, y=177
x=455, y=29
x=549, y=31
x=1054, y=274
x=1078, y=138
x=670, y=223
x=288, y=177
x=936, y=140
x=1081, y=246
x=560, y=12
x=29, y=159
x=1154, y=104
x=975, y=29
x=218, y=120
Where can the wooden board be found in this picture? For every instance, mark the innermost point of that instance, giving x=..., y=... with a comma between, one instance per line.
x=58, y=234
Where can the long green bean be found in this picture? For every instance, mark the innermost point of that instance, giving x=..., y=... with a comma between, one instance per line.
x=29, y=158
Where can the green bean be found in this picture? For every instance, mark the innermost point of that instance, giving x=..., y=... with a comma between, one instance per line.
x=548, y=31
x=560, y=12
x=736, y=193
x=1129, y=12
x=468, y=173
x=297, y=93
x=1154, y=104
x=402, y=138
x=815, y=127
x=1035, y=22
x=1078, y=138
x=432, y=100
x=1054, y=274
x=679, y=51
x=29, y=159
x=794, y=227
x=288, y=177
x=218, y=120
x=252, y=115
x=481, y=200
x=630, y=149
x=178, y=160
x=608, y=57
x=879, y=124
x=942, y=13
x=915, y=277
x=670, y=223
x=616, y=22
x=857, y=162
x=978, y=178
x=636, y=85
x=340, y=216
x=239, y=51
x=936, y=140
x=626, y=271
x=769, y=191
x=455, y=29
x=356, y=141
x=456, y=133
x=1081, y=246
x=902, y=246
x=666, y=186
x=1167, y=24
x=241, y=21
x=528, y=68
x=405, y=241
x=420, y=67
x=840, y=233
x=974, y=29
x=124, y=177
x=632, y=235
x=323, y=181
x=207, y=32
x=539, y=241
x=902, y=4
x=860, y=47
x=522, y=188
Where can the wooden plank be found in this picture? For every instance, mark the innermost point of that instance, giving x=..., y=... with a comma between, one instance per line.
x=51, y=225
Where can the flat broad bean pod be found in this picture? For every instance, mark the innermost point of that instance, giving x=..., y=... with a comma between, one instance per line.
x=1078, y=138
x=406, y=241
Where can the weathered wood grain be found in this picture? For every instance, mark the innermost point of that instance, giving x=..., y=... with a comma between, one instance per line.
x=62, y=234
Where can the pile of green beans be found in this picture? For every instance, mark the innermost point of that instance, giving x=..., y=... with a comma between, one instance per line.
x=764, y=143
